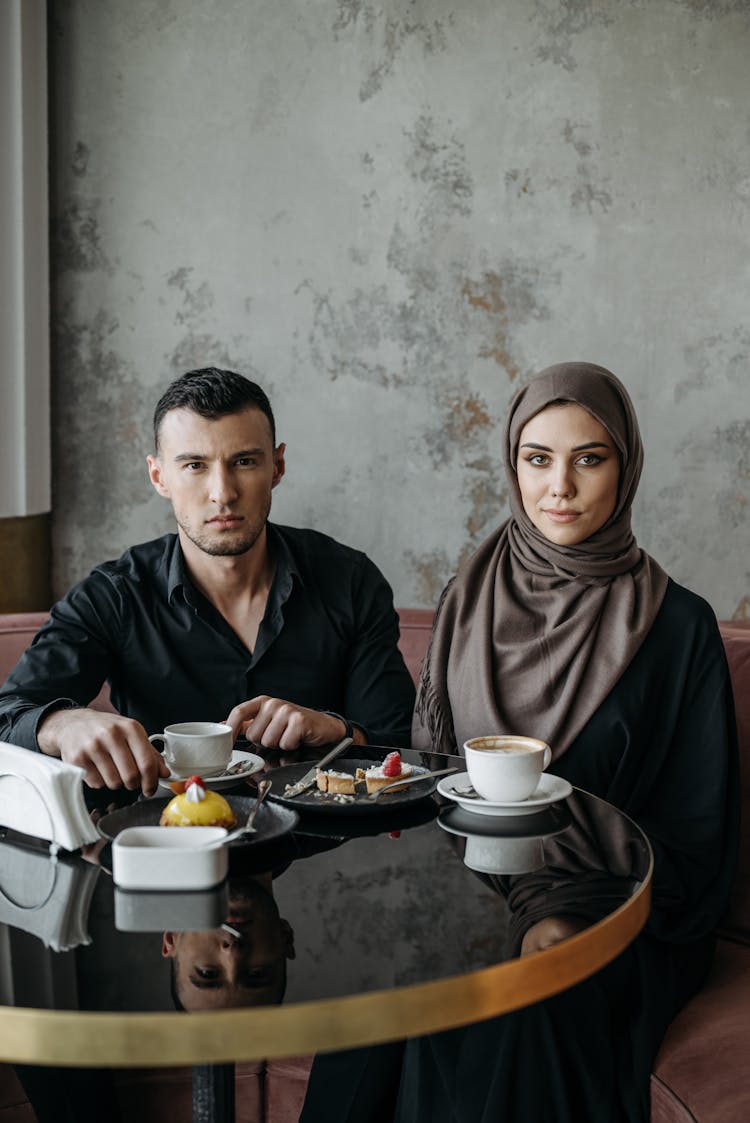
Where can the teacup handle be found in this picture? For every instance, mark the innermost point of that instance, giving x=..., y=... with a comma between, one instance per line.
x=547, y=757
x=154, y=737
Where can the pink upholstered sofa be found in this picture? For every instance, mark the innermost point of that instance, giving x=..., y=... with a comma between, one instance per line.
x=702, y=1073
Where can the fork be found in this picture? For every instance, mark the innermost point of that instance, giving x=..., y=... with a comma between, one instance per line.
x=425, y=776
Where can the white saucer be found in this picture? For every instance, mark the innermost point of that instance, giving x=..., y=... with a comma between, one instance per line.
x=549, y=790
x=250, y=761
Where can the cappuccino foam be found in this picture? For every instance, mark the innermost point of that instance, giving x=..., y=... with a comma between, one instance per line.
x=509, y=750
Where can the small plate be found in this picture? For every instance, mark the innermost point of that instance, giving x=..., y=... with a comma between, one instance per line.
x=309, y=801
x=272, y=822
x=250, y=764
x=550, y=789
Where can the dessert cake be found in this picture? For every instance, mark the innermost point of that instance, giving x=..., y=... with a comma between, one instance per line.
x=391, y=770
x=197, y=807
x=335, y=783
x=343, y=786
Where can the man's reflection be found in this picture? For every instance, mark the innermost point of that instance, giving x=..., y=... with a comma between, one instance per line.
x=243, y=963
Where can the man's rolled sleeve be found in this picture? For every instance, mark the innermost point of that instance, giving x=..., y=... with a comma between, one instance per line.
x=20, y=719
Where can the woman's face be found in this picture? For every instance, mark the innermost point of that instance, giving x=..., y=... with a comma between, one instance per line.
x=568, y=471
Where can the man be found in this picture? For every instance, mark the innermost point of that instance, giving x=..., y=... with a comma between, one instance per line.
x=284, y=633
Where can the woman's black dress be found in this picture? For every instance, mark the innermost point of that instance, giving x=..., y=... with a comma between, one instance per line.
x=662, y=747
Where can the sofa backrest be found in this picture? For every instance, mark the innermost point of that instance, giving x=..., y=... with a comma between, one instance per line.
x=17, y=630
x=416, y=626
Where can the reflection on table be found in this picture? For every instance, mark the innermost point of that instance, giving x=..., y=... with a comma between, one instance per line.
x=243, y=962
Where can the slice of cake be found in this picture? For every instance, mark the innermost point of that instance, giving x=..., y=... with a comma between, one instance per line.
x=380, y=775
x=196, y=807
x=335, y=783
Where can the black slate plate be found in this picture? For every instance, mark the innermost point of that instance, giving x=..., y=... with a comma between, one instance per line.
x=272, y=821
x=309, y=801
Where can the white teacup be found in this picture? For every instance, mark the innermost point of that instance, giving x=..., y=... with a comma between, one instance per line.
x=203, y=748
x=506, y=769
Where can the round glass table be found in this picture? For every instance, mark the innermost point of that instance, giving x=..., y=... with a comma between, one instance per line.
x=354, y=928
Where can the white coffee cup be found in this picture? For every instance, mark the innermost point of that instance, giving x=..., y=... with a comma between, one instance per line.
x=201, y=748
x=505, y=769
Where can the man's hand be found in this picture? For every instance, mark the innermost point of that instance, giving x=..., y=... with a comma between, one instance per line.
x=550, y=931
x=277, y=724
x=114, y=750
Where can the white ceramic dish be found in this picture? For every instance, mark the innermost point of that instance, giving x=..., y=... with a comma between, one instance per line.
x=176, y=858
x=550, y=789
x=250, y=762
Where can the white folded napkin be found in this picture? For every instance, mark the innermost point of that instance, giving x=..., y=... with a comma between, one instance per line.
x=46, y=896
x=43, y=797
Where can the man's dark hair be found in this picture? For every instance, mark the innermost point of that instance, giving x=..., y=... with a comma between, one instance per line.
x=212, y=393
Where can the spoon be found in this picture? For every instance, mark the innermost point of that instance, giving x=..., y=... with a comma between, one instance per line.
x=467, y=792
x=263, y=788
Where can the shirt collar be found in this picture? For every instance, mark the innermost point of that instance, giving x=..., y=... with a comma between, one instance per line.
x=175, y=567
x=286, y=565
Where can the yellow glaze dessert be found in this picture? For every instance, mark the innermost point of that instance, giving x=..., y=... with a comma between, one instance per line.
x=197, y=807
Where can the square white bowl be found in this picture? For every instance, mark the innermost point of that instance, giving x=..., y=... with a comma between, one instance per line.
x=176, y=858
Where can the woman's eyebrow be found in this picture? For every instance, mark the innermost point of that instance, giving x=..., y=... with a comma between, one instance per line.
x=578, y=448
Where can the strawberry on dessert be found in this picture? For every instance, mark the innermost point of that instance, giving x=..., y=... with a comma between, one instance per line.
x=392, y=765
x=392, y=769
x=196, y=807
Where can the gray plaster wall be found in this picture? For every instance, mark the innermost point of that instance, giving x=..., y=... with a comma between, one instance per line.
x=391, y=214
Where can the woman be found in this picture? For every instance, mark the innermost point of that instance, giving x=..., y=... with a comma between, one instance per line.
x=562, y=628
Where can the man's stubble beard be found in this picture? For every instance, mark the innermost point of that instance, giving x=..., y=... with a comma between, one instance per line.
x=227, y=549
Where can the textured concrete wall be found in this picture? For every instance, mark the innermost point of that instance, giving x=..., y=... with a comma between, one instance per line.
x=391, y=214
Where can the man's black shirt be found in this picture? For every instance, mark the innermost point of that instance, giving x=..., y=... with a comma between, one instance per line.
x=327, y=641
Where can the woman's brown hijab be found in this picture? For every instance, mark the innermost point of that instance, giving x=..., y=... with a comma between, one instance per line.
x=530, y=636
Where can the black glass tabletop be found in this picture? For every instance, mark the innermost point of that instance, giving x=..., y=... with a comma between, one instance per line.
x=330, y=906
